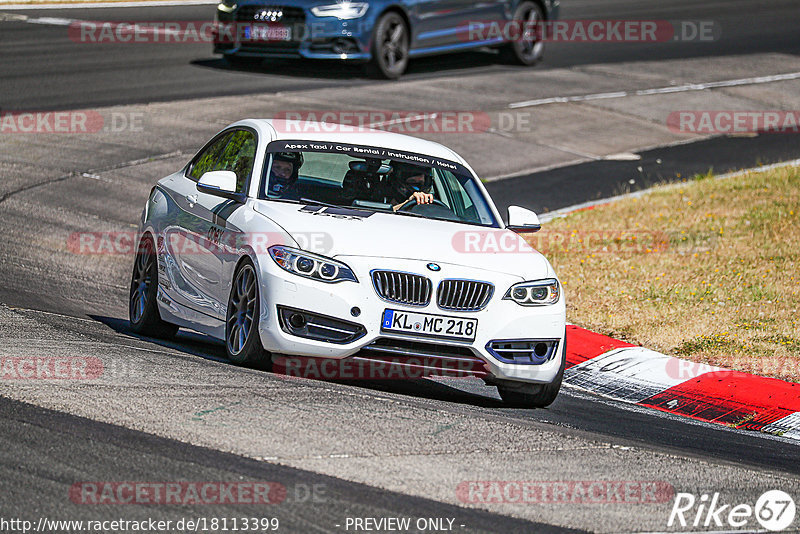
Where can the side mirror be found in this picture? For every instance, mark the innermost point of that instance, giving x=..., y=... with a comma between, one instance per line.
x=221, y=184
x=522, y=220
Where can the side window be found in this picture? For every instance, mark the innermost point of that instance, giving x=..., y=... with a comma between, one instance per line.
x=238, y=156
x=207, y=160
x=463, y=203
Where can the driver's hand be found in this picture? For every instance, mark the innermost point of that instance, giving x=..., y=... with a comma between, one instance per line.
x=422, y=198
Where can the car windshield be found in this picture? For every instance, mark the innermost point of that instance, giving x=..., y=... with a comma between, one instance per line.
x=376, y=179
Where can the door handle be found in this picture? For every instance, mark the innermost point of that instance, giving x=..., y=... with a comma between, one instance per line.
x=191, y=199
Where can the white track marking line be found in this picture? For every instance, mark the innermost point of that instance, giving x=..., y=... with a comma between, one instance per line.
x=50, y=21
x=127, y=28
x=658, y=90
x=84, y=5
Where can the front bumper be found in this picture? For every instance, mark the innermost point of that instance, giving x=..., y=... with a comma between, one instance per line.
x=312, y=38
x=304, y=51
x=500, y=320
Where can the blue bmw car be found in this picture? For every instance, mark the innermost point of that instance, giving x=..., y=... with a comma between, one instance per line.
x=382, y=34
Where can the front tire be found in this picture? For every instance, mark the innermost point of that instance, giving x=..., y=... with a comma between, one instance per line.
x=543, y=396
x=390, y=45
x=529, y=48
x=142, y=306
x=242, y=342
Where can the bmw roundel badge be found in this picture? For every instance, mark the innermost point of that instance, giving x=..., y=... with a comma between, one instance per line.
x=434, y=267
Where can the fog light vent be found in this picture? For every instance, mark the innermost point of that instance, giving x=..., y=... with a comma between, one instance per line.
x=527, y=351
x=318, y=327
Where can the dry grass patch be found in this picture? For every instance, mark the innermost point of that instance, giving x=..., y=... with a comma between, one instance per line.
x=707, y=271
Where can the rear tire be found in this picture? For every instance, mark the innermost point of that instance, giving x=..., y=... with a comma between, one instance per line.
x=543, y=397
x=242, y=341
x=523, y=51
x=390, y=45
x=142, y=306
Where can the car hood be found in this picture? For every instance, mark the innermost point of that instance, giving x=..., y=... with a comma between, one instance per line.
x=337, y=232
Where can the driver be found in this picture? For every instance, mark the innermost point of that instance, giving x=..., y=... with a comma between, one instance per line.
x=283, y=175
x=408, y=183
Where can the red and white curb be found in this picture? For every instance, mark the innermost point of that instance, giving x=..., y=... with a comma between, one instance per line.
x=626, y=372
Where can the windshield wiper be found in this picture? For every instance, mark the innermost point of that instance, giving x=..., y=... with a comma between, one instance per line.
x=328, y=205
x=320, y=203
x=412, y=214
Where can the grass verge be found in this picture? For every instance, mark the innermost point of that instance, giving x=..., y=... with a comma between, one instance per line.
x=706, y=271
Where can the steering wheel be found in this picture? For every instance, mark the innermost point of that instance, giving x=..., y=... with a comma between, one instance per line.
x=413, y=204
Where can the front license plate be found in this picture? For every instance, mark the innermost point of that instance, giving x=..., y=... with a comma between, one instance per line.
x=429, y=325
x=267, y=33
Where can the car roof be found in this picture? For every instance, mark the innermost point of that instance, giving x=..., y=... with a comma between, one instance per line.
x=280, y=130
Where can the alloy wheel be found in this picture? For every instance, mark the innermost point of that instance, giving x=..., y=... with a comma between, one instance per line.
x=241, y=309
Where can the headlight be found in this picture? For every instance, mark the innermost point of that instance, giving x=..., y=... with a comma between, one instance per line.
x=311, y=265
x=227, y=6
x=342, y=10
x=536, y=293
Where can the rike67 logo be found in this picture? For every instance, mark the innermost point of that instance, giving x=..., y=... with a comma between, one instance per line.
x=774, y=511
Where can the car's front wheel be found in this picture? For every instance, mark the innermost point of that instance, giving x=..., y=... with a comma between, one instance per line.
x=242, y=342
x=142, y=307
x=528, y=48
x=535, y=396
x=390, y=45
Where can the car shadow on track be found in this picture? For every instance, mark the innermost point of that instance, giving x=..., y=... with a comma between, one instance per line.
x=210, y=348
x=335, y=70
x=185, y=341
x=428, y=389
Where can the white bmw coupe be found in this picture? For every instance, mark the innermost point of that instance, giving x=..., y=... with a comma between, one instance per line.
x=311, y=240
